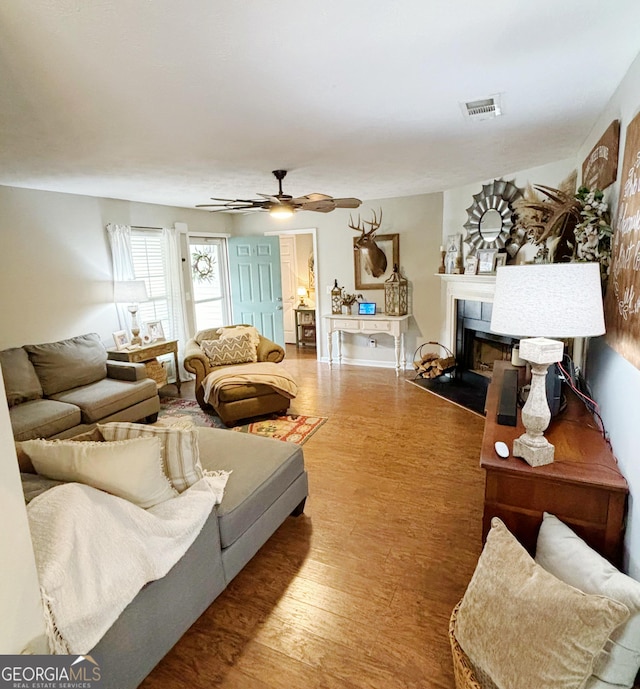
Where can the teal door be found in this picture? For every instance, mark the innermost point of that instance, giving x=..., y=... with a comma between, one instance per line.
x=256, y=285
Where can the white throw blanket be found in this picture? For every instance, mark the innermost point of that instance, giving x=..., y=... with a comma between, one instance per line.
x=263, y=372
x=95, y=551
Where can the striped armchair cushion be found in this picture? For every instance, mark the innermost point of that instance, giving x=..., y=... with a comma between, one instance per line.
x=240, y=349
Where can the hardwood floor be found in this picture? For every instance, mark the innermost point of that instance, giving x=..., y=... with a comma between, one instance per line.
x=357, y=592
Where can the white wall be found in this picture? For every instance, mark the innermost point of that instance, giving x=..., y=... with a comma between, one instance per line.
x=457, y=200
x=418, y=220
x=55, y=262
x=614, y=381
x=20, y=608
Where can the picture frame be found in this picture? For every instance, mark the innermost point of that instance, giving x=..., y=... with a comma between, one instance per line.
x=500, y=260
x=306, y=318
x=471, y=265
x=454, y=243
x=486, y=260
x=390, y=245
x=154, y=330
x=450, y=262
x=121, y=339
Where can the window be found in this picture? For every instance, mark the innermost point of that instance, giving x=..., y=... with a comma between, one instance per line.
x=209, y=279
x=149, y=264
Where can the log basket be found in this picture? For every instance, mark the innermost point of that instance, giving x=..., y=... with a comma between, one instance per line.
x=430, y=364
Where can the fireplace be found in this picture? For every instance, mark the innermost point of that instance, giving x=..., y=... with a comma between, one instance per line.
x=466, y=305
x=476, y=346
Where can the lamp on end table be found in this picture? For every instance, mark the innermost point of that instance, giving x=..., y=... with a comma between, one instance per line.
x=538, y=302
x=131, y=292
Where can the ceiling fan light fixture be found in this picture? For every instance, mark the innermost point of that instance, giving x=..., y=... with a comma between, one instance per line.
x=280, y=205
x=281, y=211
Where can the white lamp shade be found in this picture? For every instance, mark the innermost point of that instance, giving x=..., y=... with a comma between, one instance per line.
x=302, y=291
x=129, y=292
x=548, y=300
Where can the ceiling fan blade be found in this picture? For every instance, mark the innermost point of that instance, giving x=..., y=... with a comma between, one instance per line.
x=347, y=203
x=234, y=206
x=313, y=197
x=214, y=198
x=317, y=205
x=320, y=203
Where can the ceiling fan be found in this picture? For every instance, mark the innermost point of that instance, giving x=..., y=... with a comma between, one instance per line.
x=281, y=205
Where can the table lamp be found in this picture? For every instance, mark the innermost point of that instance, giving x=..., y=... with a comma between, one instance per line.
x=131, y=292
x=538, y=302
x=302, y=293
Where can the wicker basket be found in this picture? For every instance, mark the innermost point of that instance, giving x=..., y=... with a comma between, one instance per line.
x=462, y=669
x=445, y=364
x=157, y=372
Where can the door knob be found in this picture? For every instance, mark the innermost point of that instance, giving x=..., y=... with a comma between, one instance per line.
x=278, y=308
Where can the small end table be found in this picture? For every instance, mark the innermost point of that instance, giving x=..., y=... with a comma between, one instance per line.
x=146, y=353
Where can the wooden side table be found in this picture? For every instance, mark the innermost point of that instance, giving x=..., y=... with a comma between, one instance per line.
x=583, y=487
x=305, y=327
x=148, y=353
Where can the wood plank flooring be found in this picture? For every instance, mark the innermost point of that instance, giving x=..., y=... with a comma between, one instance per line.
x=357, y=593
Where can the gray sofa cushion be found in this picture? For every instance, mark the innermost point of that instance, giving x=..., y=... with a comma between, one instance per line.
x=42, y=418
x=108, y=396
x=69, y=363
x=20, y=380
x=262, y=469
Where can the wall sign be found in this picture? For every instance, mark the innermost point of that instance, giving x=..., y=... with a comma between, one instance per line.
x=622, y=302
x=601, y=165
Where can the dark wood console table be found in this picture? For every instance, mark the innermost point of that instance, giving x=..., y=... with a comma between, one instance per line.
x=583, y=486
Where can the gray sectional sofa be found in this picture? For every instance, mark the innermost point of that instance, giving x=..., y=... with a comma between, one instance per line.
x=268, y=483
x=61, y=389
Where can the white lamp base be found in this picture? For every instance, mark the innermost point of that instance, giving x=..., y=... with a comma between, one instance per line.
x=532, y=446
x=534, y=455
x=135, y=328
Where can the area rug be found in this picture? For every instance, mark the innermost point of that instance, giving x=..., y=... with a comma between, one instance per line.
x=291, y=428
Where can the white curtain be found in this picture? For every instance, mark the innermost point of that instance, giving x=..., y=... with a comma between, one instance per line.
x=120, y=241
x=122, y=258
x=175, y=293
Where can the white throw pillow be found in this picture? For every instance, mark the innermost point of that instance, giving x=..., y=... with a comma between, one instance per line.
x=230, y=350
x=130, y=469
x=565, y=555
x=178, y=447
x=235, y=330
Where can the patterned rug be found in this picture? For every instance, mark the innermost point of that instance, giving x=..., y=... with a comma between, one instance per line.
x=292, y=428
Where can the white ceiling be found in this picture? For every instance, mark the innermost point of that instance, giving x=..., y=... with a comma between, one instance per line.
x=172, y=102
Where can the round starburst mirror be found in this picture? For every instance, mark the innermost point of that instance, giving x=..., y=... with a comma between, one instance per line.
x=491, y=216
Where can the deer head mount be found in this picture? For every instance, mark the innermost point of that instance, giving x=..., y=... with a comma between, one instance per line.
x=373, y=258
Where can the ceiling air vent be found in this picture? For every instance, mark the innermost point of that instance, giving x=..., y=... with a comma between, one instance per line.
x=485, y=109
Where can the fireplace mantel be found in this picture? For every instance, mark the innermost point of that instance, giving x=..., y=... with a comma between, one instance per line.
x=471, y=287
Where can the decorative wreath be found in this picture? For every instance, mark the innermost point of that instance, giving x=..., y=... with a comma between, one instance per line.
x=203, y=265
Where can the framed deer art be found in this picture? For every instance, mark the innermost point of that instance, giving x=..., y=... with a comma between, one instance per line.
x=374, y=255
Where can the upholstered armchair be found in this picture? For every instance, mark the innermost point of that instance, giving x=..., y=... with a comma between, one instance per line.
x=244, y=401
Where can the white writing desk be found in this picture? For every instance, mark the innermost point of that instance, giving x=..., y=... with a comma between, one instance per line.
x=394, y=326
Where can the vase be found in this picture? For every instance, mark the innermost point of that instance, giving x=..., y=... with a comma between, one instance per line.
x=346, y=310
